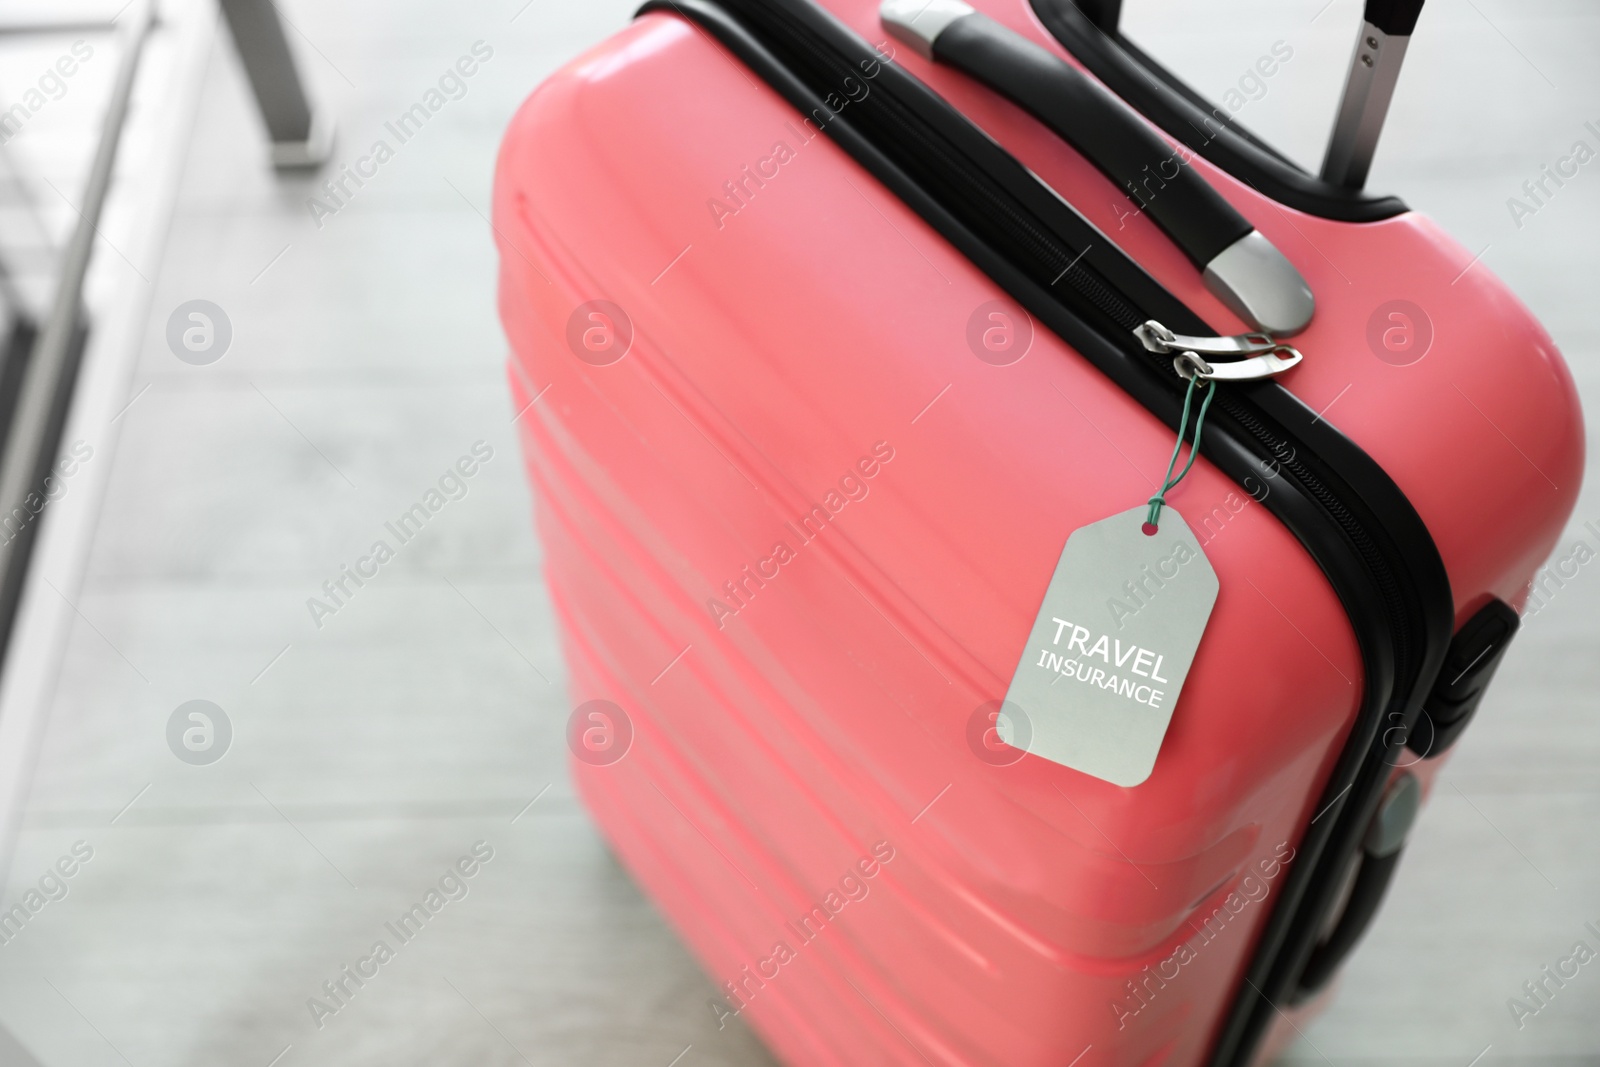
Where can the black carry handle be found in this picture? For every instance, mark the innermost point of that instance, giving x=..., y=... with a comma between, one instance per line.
x=1379, y=858
x=1130, y=153
x=1372, y=881
x=1241, y=266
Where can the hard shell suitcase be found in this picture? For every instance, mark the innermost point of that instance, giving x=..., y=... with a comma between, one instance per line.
x=828, y=328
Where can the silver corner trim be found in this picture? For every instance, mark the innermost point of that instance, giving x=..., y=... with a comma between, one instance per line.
x=1260, y=286
x=919, y=23
x=1374, y=73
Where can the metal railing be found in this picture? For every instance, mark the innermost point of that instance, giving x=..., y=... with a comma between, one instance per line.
x=49, y=364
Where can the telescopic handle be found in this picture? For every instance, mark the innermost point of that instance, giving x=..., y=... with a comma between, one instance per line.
x=1374, y=71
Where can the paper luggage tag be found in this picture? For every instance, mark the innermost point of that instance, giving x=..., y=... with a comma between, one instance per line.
x=1113, y=642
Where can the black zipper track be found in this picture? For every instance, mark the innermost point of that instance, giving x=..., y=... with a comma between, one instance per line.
x=1348, y=514
x=1376, y=561
x=948, y=167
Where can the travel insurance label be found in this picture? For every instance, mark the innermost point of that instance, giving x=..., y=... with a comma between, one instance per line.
x=1113, y=641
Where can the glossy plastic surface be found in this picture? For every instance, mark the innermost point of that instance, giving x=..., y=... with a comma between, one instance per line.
x=799, y=530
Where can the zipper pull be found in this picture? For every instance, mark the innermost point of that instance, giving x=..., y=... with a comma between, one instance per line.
x=1264, y=357
x=1157, y=338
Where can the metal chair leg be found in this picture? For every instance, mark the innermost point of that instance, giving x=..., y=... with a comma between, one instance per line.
x=302, y=137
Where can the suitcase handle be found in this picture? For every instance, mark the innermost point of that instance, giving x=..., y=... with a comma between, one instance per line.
x=1386, y=27
x=1379, y=858
x=1241, y=267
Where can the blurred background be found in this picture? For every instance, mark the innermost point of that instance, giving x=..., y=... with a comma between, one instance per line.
x=226, y=469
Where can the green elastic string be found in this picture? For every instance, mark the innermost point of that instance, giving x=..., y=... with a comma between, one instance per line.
x=1158, y=501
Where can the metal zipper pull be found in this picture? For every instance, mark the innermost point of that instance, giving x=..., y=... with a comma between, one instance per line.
x=1265, y=357
x=1266, y=365
x=1157, y=338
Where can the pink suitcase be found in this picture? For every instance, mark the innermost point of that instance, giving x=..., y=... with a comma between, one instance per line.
x=823, y=348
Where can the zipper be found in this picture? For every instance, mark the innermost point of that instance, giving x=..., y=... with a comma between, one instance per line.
x=1157, y=338
x=1353, y=520
x=1261, y=356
